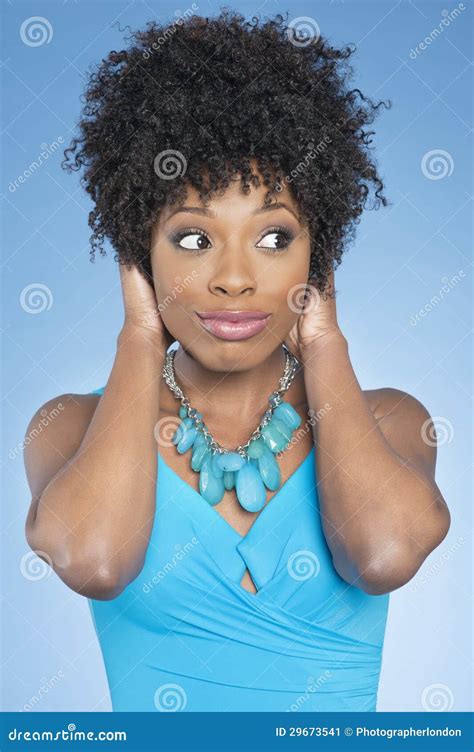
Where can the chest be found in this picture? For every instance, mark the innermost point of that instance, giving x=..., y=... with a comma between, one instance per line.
x=229, y=507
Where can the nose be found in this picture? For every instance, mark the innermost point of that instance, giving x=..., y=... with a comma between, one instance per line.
x=233, y=273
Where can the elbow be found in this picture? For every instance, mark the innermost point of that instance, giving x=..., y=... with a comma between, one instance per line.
x=376, y=574
x=383, y=575
x=382, y=571
x=443, y=523
x=92, y=576
x=373, y=584
x=102, y=577
x=92, y=579
x=85, y=572
x=102, y=585
x=398, y=562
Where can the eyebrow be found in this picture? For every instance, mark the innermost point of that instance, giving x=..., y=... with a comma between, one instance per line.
x=209, y=213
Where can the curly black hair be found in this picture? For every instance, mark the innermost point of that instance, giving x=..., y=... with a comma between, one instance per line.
x=193, y=101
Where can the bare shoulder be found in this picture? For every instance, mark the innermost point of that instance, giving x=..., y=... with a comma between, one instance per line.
x=406, y=424
x=54, y=434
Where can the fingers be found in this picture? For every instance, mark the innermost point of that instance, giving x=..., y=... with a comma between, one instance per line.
x=137, y=291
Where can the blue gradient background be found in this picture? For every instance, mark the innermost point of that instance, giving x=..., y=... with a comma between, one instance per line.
x=398, y=263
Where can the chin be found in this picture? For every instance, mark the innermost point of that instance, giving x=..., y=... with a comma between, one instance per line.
x=225, y=355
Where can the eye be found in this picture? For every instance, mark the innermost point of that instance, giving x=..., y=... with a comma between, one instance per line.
x=191, y=239
x=279, y=238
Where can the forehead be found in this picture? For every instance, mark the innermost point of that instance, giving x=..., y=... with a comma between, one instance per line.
x=232, y=204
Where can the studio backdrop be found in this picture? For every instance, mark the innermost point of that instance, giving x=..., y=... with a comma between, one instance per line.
x=404, y=302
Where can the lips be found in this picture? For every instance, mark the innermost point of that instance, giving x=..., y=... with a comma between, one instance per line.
x=233, y=325
x=226, y=315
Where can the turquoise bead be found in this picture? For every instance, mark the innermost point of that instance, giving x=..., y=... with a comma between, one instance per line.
x=229, y=480
x=256, y=448
x=288, y=414
x=215, y=467
x=210, y=487
x=186, y=440
x=250, y=488
x=182, y=412
x=200, y=440
x=199, y=454
x=273, y=438
x=230, y=461
x=287, y=443
x=181, y=430
x=282, y=427
x=269, y=470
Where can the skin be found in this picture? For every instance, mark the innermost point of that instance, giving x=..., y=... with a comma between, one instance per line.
x=381, y=510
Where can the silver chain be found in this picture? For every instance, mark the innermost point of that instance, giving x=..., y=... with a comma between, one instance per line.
x=168, y=373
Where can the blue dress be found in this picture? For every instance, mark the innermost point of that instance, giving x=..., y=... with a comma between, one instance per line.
x=186, y=636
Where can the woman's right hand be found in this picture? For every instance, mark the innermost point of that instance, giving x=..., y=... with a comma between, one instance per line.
x=141, y=308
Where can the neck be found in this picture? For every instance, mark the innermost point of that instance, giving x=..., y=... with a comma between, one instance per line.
x=235, y=396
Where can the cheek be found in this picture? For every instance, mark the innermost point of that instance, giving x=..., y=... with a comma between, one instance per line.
x=176, y=290
x=166, y=275
x=288, y=292
x=173, y=271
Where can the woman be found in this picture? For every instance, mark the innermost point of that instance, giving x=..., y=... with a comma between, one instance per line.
x=246, y=564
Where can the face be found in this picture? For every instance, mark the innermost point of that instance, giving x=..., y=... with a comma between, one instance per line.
x=232, y=259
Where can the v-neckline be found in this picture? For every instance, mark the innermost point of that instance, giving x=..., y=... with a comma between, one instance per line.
x=279, y=494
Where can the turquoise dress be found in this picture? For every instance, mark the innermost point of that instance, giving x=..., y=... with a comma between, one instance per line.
x=185, y=635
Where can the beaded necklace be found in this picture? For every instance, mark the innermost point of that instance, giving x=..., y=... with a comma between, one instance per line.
x=251, y=467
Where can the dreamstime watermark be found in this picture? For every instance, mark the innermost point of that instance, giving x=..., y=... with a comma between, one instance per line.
x=313, y=152
x=437, y=164
x=437, y=431
x=170, y=164
x=170, y=698
x=165, y=429
x=437, y=697
x=34, y=568
x=181, y=552
x=45, y=153
x=448, y=285
x=313, y=686
x=45, y=420
x=303, y=565
x=179, y=286
x=302, y=431
x=170, y=30
x=36, y=31
x=448, y=18
x=46, y=685
x=302, y=31
x=70, y=734
x=36, y=298
x=303, y=296
x=436, y=566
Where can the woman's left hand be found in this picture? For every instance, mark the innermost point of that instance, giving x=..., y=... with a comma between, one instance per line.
x=317, y=319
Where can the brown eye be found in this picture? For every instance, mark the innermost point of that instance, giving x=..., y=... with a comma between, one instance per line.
x=276, y=239
x=192, y=240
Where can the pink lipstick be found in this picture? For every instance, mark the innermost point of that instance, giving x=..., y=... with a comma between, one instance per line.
x=233, y=325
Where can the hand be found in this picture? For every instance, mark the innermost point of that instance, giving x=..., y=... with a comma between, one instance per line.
x=317, y=321
x=141, y=307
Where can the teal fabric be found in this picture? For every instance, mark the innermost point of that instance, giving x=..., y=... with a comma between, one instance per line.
x=186, y=636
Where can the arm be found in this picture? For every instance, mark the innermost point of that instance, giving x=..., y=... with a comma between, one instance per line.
x=381, y=508
x=382, y=512
x=92, y=471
